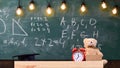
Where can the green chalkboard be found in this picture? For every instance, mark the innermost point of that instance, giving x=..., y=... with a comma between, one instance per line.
x=53, y=37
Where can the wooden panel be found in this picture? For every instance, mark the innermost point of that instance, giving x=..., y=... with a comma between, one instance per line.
x=113, y=64
x=6, y=64
x=58, y=64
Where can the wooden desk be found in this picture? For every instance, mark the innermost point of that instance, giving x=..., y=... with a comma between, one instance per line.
x=58, y=64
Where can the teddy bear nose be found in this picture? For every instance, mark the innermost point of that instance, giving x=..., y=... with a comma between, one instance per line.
x=91, y=41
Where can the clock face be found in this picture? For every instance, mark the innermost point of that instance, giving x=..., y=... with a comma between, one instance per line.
x=78, y=56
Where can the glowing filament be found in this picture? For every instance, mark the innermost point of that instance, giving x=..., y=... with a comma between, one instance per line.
x=19, y=11
x=49, y=10
x=104, y=5
x=83, y=8
x=114, y=11
x=31, y=6
x=63, y=6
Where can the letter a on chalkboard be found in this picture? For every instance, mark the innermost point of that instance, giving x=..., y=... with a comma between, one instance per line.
x=17, y=27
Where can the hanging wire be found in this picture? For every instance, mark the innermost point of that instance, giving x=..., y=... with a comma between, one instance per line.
x=83, y=1
x=48, y=2
x=115, y=4
x=103, y=1
x=19, y=3
x=32, y=1
x=64, y=1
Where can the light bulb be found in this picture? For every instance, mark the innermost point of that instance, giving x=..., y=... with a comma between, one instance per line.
x=19, y=11
x=114, y=11
x=49, y=10
x=104, y=5
x=83, y=8
x=31, y=6
x=63, y=6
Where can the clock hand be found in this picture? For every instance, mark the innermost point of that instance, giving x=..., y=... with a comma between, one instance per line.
x=78, y=56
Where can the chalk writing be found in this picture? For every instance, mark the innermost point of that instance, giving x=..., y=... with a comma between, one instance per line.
x=75, y=30
x=36, y=42
x=62, y=23
x=50, y=42
x=73, y=22
x=39, y=18
x=99, y=46
x=83, y=34
x=15, y=42
x=4, y=12
x=93, y=22
x=76, y=46
x=85, y=26
x=95, y=33
x=73, y=34
x=43, y=42
x=74, y=26
x=39, y=24
x=64, y=34
x=62, y=42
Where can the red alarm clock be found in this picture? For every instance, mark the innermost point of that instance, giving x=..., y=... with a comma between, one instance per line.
x=78, y=54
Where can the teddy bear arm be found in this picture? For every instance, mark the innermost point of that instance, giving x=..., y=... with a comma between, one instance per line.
x=100, y=53
x=87, y=53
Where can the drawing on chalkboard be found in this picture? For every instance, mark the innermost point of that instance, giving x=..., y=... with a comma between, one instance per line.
x=17, y=23
x=4, y=26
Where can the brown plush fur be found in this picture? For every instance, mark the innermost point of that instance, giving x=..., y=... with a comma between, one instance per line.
x=91, y=49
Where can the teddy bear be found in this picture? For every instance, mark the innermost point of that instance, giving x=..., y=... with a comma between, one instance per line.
x=91, y=49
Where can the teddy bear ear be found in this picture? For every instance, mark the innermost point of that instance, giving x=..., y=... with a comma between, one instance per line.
x=85, y=40
x=96, y=41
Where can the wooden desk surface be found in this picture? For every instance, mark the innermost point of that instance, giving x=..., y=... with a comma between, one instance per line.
x=58, y=64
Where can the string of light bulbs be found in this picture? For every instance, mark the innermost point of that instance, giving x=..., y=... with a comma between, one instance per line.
x=63, y=7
